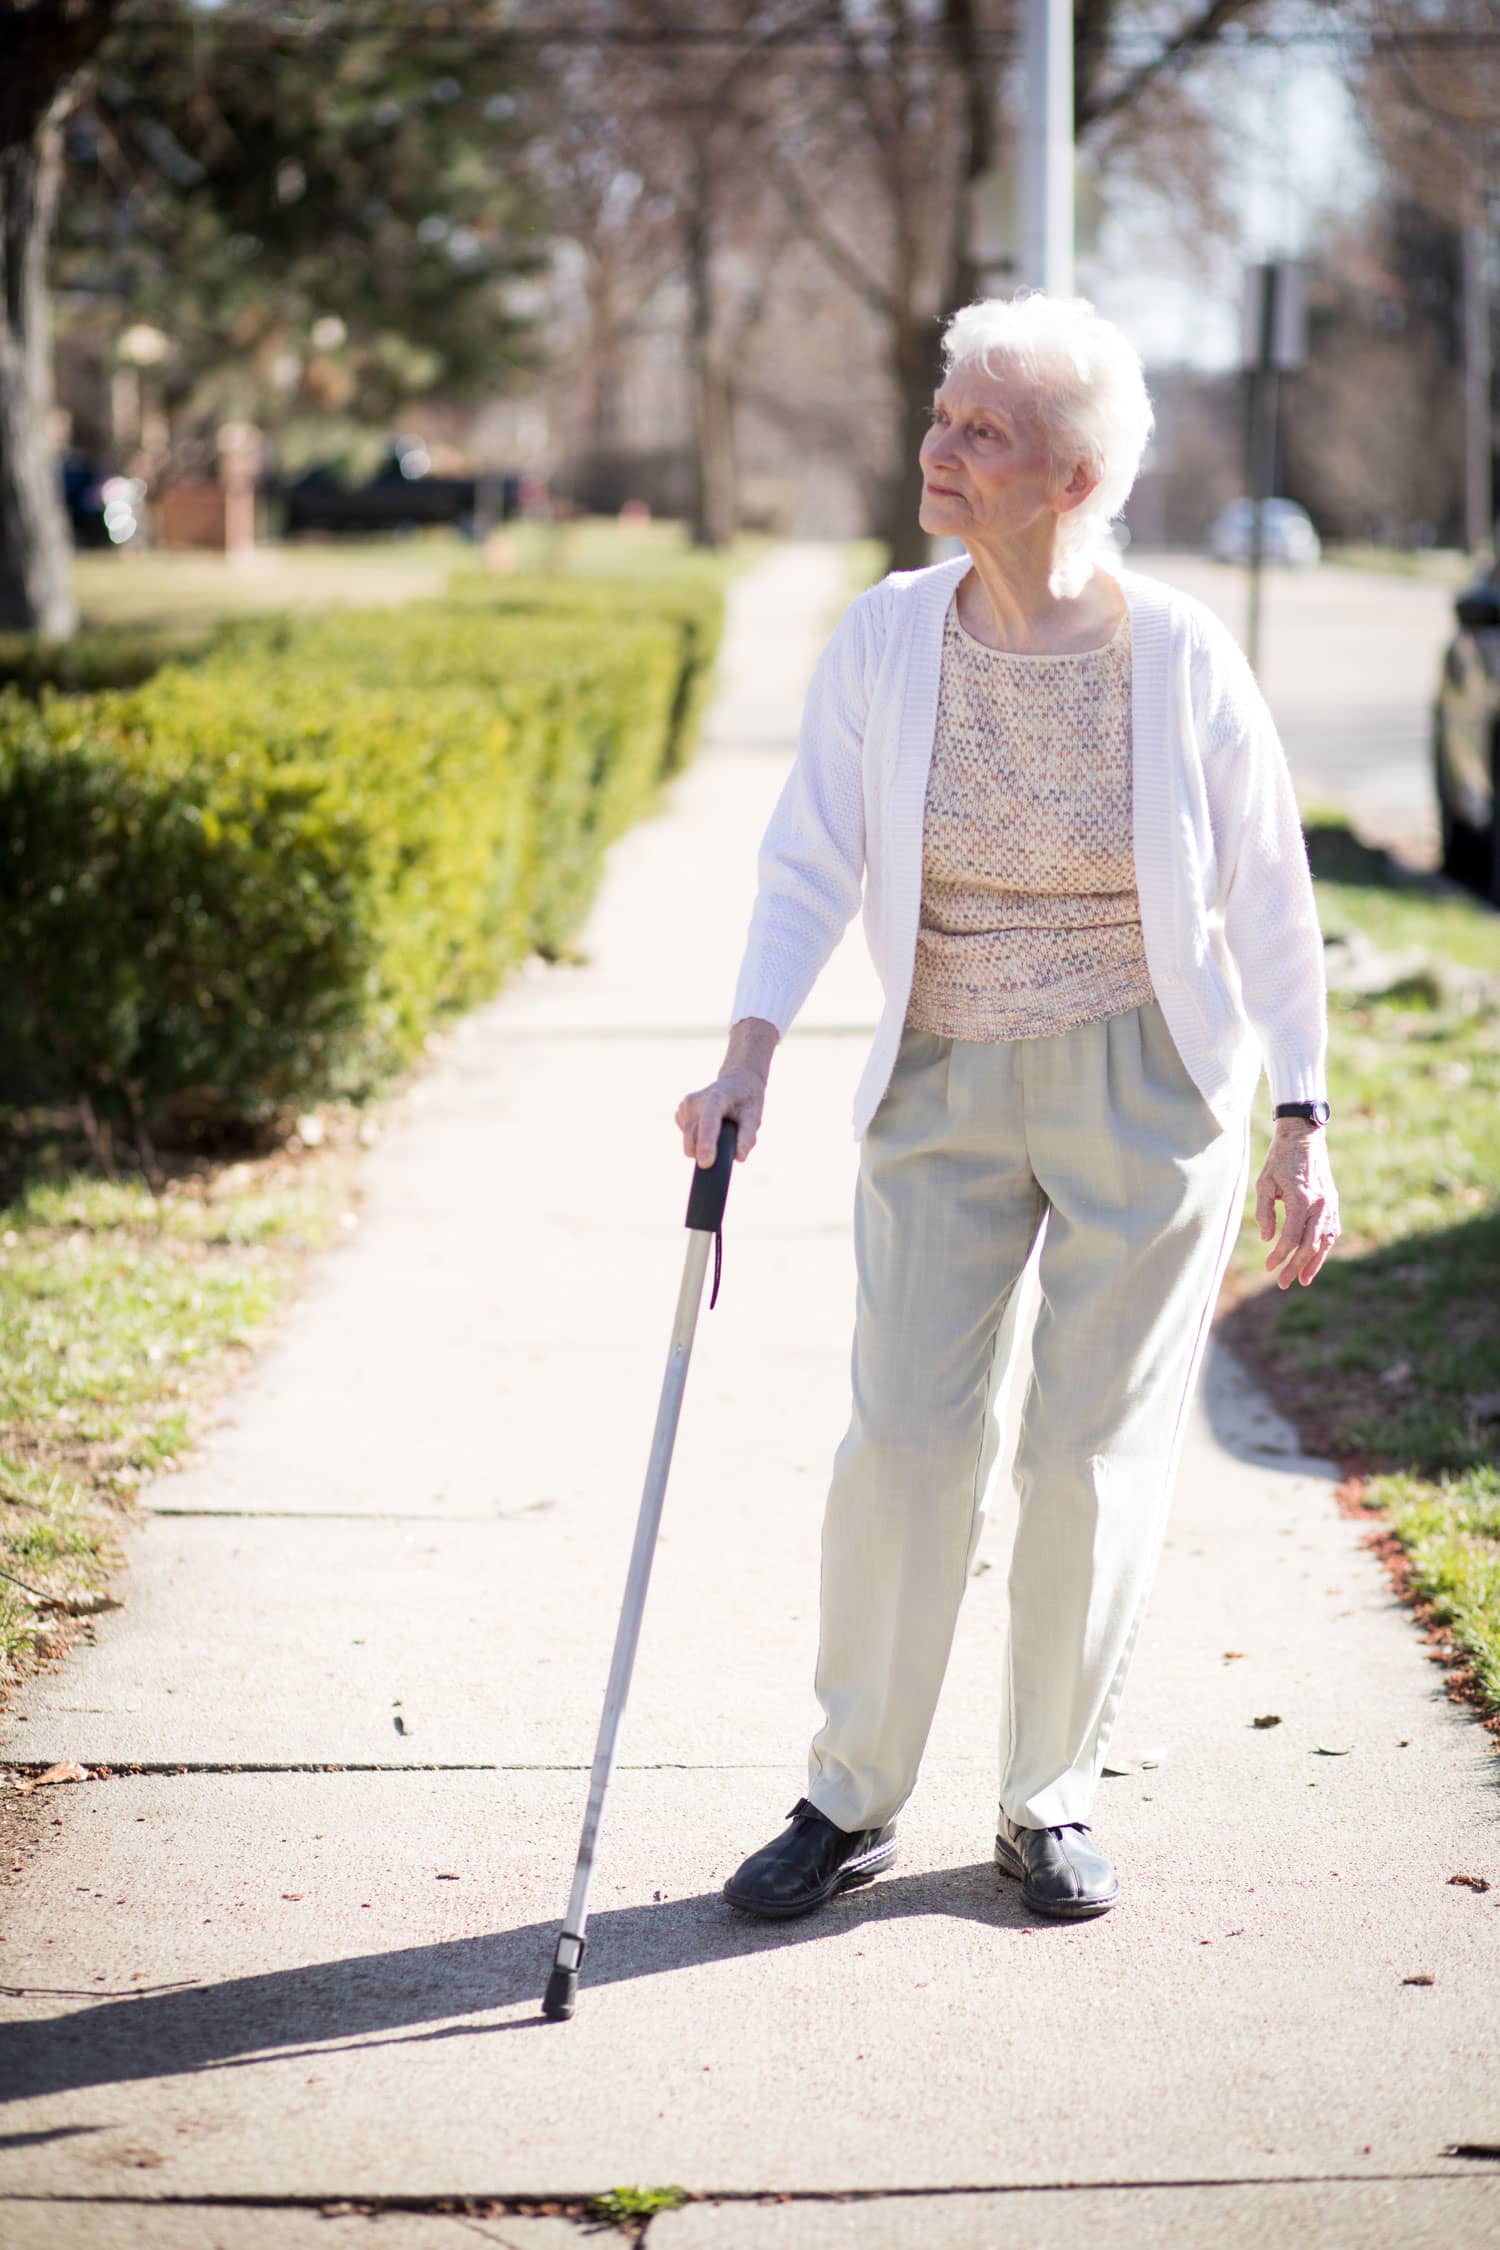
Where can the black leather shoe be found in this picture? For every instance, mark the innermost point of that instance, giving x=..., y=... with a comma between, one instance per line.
x=1060, y=1873
x=808, y=1863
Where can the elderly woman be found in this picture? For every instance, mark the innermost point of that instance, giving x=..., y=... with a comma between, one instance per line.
x=1087, y=897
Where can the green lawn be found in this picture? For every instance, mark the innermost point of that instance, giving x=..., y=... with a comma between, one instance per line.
x=121, y=1314
x=1390, y=1362
x=154, y=587
x=1443, y=566
x=158, y=587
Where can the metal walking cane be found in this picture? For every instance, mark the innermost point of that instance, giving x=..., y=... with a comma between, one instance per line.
x=705, y=1217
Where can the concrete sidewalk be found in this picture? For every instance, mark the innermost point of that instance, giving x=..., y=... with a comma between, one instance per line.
x=401, y=1559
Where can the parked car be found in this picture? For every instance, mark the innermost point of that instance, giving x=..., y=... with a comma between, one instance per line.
x=1466, y=741
x=403, y=495
x=1287, y=534
x=103, y=510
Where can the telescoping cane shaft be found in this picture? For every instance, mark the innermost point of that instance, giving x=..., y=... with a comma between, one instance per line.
x=705, y=1217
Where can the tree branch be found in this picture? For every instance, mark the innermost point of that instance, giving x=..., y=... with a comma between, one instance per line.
x=834, y=253
x=1190, y=38
x=46, y=43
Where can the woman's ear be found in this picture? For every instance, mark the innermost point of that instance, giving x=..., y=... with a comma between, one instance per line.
x=1078, y=487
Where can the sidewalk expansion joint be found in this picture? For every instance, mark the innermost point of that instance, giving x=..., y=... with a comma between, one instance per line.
x=575, y=2202
x=340, y=1515
x=130, y=1769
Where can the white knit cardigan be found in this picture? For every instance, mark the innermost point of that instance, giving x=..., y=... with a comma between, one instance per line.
x=1227, y=911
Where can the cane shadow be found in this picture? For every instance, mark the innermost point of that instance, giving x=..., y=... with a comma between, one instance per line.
x=413, y=1996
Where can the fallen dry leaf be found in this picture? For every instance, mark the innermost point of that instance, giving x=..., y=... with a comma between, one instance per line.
x=1471, y=1882
x=1267, y=1719
x=67, y=1771
x=447, y=1878
x=294, y=1898
x=1423, y=1979
x=1325, y=1750
x=1230, y=1654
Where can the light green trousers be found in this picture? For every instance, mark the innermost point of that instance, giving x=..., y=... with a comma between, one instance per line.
x=1102, y=1133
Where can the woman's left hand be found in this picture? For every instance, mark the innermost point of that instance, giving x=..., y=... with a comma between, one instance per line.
x=1298, y=1175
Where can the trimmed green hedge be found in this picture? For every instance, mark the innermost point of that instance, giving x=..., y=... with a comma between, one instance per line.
x=102, y=656
x=693, y=603
x=258, y=881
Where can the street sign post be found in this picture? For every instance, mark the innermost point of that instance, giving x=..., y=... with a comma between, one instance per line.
x=1273, y=343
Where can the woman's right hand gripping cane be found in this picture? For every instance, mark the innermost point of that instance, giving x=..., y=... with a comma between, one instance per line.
x=739, y=1092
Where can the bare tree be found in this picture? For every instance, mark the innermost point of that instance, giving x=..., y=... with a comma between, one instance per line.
x=46, y=45
x=859, y=130
x=646, y=145
x=1427, y=77
x=1375, y=441
x=911, y=102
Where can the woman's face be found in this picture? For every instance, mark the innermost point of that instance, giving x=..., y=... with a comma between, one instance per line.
x=986, y=471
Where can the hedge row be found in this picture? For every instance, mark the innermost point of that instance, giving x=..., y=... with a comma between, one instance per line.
x=102, y=656
x=693, y=605
x=257, y=881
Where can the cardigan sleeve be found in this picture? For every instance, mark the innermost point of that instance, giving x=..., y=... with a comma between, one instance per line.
x=810, y=864
x=1265, y=885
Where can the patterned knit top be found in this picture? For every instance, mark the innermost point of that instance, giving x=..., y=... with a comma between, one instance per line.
x=1030, y=920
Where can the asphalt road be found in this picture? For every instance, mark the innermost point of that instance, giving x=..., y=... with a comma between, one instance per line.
x=1349, y=664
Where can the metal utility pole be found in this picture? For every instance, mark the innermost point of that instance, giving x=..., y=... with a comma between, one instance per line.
x=1274, y=341
x=1479, y=510
x=1046, y=168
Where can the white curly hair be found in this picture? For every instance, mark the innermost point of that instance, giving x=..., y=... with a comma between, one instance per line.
x=1090, y=401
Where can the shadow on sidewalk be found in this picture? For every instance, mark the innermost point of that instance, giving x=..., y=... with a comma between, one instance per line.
x=315, y=2009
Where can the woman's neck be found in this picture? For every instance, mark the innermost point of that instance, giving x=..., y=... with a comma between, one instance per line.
x=1008, y=604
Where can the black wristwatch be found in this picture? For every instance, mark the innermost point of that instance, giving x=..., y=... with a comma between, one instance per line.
x=1316, y=1113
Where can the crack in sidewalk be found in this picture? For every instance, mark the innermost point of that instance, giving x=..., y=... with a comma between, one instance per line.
x=573, y=2202
x=344, y=1515
x=132, y=1769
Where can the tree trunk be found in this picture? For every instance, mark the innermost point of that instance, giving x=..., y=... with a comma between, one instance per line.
x=717, y=512
x=918, y=359
x=36, y=592
x=46, y=46
x=714, y=510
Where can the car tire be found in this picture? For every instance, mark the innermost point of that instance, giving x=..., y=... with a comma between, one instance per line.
x=1489, y=838
x=1463, y=858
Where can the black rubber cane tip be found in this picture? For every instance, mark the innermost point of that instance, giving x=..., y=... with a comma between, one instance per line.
x=561, y=1996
